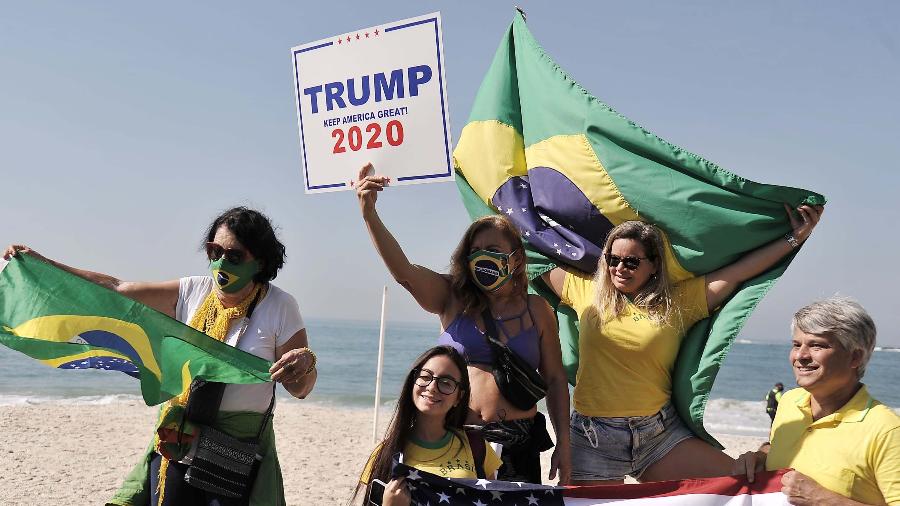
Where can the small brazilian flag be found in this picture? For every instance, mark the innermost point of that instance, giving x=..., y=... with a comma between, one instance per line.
x=566, y=168
x=69, y=323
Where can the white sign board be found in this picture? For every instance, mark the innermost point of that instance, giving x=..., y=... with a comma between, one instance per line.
x=374, y=95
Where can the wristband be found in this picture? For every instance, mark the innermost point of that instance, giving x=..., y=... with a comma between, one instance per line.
x=792, y=241
x=314, y=360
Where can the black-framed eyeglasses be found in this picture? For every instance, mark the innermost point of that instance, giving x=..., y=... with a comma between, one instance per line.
x=215, y=251
x=630, y=263
x=445, y=384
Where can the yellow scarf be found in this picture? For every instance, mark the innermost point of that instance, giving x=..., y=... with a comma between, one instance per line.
x=213, y=319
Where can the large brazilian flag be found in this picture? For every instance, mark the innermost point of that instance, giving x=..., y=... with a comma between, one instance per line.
x=67, y=322
x=566, y=168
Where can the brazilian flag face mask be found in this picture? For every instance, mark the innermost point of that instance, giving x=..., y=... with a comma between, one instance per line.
x=231, y=277
x=490, y=270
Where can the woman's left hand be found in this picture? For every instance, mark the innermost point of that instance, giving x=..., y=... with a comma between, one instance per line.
x=809, y=218
x=748, y=464
x=292, y=366
x=560, y=462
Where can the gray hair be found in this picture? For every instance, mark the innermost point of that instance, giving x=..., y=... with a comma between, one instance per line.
x=842, y=318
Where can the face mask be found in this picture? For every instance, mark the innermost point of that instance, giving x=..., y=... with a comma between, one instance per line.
x=231, y=277
x=489, y=270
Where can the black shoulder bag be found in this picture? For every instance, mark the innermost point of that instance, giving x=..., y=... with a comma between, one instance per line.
x=217, y=462
x=521, y=385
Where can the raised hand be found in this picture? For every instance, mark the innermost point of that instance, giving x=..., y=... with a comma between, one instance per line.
x=367, y=187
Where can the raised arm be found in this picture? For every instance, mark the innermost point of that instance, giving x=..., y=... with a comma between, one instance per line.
x=161, y=296
x=555, y=279
x=721, y=283
x=430, y=289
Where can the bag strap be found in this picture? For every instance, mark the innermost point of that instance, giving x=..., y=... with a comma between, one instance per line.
x=206, y=396
x=490, y=330
x=479, y=452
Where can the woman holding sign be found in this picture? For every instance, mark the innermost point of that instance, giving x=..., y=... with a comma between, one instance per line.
x=485, y=295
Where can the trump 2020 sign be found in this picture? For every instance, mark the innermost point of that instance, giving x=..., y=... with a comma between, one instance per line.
x=374, y=95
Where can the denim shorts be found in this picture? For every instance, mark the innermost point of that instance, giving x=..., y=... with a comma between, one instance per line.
x=611, y=448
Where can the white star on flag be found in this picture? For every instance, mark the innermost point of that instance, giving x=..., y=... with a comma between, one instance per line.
x=414, y=474
x=478, y=503
x=527, y=234
x=496, y=495
x=442, y=497
x=519, y=483
x=484, y=483
x=532, y=499
x=523, y=185
x=559, y=252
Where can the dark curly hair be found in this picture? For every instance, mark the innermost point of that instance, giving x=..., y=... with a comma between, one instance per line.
x=254, y=231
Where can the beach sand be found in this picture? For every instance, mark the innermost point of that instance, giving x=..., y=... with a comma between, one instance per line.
x=79, y=454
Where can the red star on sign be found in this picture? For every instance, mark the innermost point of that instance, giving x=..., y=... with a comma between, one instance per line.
x=348, y=38
x=376, y=32
x=367, y=35
x=340, y=40
x=357, y=36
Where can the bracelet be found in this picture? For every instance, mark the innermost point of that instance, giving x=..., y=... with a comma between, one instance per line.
x=792, y=241
x=314, y=360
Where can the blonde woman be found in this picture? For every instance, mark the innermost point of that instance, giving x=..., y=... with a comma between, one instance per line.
x=632, y=320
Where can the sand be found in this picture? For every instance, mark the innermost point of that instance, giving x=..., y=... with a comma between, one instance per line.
x=79, y=454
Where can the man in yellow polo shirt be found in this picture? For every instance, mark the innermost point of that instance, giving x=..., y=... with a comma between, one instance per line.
x=843, y=445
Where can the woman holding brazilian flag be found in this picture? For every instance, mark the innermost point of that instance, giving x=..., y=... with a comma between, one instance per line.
x=683, y=251
x=238, y=305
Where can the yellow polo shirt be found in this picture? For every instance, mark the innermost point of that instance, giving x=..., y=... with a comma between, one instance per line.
x=854, y=451
x=625, y=365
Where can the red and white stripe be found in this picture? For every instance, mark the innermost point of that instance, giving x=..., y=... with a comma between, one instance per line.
x=724, y=491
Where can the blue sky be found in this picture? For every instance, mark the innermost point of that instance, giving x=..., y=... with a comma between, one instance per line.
x=125, y=128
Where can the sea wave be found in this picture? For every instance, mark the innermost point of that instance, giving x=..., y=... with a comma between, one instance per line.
x=87, y=400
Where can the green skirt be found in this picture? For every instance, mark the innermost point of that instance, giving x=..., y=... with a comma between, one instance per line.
x=268, y=490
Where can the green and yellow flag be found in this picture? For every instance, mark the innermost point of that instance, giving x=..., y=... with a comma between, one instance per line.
x=566, y=168
x=67, y=322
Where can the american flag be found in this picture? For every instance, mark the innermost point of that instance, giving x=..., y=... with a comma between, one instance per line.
x=430, y=490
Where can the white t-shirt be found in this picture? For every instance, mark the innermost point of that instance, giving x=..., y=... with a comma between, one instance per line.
x=275, y=320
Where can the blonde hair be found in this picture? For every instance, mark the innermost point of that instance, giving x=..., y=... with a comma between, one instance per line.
x=655, y=296
x=474, y=301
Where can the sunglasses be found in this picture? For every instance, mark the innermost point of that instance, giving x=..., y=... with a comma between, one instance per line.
x=445, y=384
x=232, y=255
x=630, y=263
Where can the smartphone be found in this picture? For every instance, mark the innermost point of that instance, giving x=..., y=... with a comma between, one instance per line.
x=376, y=492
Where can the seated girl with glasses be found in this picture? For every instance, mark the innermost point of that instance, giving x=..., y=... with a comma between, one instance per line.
x=632, y=319
x=427, y=428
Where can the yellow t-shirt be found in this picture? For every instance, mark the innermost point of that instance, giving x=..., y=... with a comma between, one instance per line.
x=450, y=457
x=625, y=365
x=854, y=451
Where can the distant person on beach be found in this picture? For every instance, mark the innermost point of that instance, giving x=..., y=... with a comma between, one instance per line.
x=632, y=320
x=244, y=256
x=524, y=322
x=843, y=445
x=427, y=428
x=772, y=399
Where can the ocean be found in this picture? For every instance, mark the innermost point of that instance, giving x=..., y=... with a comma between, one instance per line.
x=348, y=350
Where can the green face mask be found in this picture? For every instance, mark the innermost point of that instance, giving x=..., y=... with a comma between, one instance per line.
x=231, y=277
x=489, y=270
